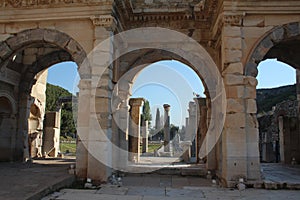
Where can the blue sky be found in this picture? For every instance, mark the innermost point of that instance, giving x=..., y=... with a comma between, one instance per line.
x=174, y=83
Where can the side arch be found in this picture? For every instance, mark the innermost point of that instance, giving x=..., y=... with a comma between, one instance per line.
x=261, y=51
x=26, y=38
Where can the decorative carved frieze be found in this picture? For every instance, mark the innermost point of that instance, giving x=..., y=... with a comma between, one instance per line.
x=36, y=3
x=106, y=21
x=234, y=20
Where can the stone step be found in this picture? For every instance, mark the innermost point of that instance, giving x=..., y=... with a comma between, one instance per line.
x=273, y=185
x=197, y=170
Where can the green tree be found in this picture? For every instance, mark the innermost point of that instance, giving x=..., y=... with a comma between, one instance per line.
x=146, y=114
x=53, y=93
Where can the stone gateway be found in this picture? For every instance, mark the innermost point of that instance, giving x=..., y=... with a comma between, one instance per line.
x=236, y=36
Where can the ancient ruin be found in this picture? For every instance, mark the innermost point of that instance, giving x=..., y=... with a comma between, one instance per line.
x=235, y=36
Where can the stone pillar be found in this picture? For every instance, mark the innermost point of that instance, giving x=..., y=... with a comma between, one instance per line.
x=22, y=136
x=192, y=128
x=145, y=136
x=83, y=118
x=100, y=153
x=167, y=128
x=281, y=138
x=240, y=152
x=120, y=106
x=202, y=125
x=134, y=129
x=51, y=134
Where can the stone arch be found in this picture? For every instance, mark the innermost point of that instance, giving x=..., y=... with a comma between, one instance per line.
x=182, y=48
x=282, y=33
x=281, y=42
x=10, y=101
x=12, y=58
x=23, y=39
x=7, y=126
x=145, y=57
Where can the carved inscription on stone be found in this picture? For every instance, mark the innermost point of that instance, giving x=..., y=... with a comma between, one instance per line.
x=35, y=3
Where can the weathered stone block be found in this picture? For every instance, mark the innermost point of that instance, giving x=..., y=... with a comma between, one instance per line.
x=234, y=68
x=251, y=69
x=4, y=37
x=26, y=37
x=83, y=133
x=234, y=92
x=275, y=20
x=105, y=120
x=234, y=167
x=232, y=31
x=255, y=32
x=56, y=38
x=250, y=92
x=235, y=106
x=252, y=81
x=98, y=160
x=102, y=104
x=29, y=59
x=251, y=106
x=4, y=50
x=18, y=27
x=233, y=43
x=2, y=28
x=277, y=35
x=292, y=29
x=46, y=24
x=30, y=51
x=253, y=20
x=252, y=120
x=232, y=56
x=235, y=120
x=232, y=79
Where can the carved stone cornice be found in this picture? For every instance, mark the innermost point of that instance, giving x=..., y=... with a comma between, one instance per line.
x=38, y=3
x=233, y=20
x=226, y=20
x=106, y=21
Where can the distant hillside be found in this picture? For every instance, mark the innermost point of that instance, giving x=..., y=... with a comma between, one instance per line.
x=267, y=98
x=53, y=93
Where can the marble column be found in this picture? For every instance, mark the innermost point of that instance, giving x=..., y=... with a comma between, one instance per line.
x=192, y=129
x=145, y=136
x=202, y=124
x=134, y=129
x=167, y=128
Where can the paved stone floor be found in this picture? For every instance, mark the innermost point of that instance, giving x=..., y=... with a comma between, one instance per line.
x=276, y=175
x=174, y=187
x=108, y=192
x=33, y=180
x=281, y=173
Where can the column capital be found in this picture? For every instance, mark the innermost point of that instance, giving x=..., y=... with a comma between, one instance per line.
x=136, y=101
x=201, y=101
x=106, y=21
x=167, y=107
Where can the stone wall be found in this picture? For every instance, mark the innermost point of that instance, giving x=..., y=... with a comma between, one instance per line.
x=236, y=36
